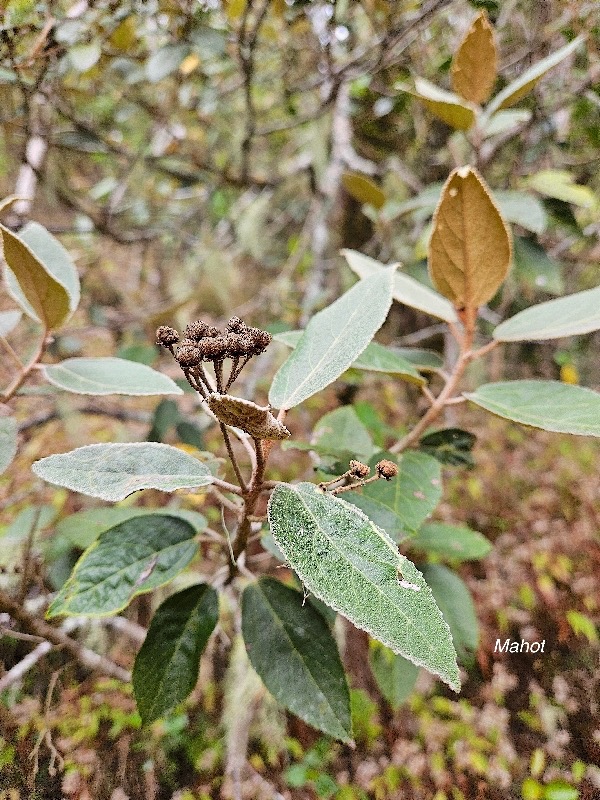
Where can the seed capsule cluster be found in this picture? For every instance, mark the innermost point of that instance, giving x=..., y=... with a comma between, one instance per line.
x=205, y=343
x=357, y=476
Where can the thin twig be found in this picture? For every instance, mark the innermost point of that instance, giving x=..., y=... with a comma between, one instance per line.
x=11, y=353
x=441, y=400
x=232, y=457
x=25, y=370
x=224, y=501
x=58, y=638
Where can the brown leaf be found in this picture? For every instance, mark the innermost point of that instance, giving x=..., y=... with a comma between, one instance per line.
x=470, y=250
x=475, y=65
x=254, y=419
x=47, y=297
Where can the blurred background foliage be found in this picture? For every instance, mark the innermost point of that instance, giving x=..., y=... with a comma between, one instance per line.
x=209, y=159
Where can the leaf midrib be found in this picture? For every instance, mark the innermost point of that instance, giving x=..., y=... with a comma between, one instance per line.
x=295, y=650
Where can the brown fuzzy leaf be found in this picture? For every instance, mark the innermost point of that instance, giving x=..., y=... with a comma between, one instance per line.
x=475, y=65
x=250, y=417
x=470, y=250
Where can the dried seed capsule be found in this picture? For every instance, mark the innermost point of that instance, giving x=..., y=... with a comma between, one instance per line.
x=261, y=340
x=188, y=356
x=235, y=325
x=358, y=469
x=386, y=469
x=213, y=349
x=166, y=336
x=238, y=345
x=196, y=330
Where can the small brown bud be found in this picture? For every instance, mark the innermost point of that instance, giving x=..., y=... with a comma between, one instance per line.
x=196, y=330
x=235, y=325
x=238, y=344
x=166, y=336
x=386, y=469
x=214, y=348
x=358, y=469
x=211, y=331
x=189, y=356
x=261, y=340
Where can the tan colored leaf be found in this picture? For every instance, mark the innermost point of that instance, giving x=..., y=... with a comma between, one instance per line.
x=363, y=189
x=475, y=65
x=8, y=202
x=470, y=250
x=255, y=420
x=449, y=107
x=47, y=297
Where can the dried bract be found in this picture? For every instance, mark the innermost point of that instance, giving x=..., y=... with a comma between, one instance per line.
x=250, y=417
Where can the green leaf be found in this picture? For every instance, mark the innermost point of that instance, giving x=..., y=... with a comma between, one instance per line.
x=522, y=209
x=166, y=666
x=84, y=527
x=17, y=13
x=449, y=107
x=114, y=471
x=165, y=61
x=166, y=416
x=293, y=651
x=99, y=376
x=406, y=289
x=549, y=405
x=332, y=340
x=456, y=604
x=423, y=360
x=520, y=87
x=560, y=790
x=395, y=676
x=567, y=316
x=363, y=189
x=84, y=56
x=30, y=519
x=339, y=433
x=561, y=185
x=423, y=202
x=503, y=121
x=450, y=446
x=403, y=503
x=131, y=558
x=581, y=624
x=534, y=268
x=8, y=441
x=268, y=543
x=9, y=321
x=40, y=275
x=450, y=541
x=353, y=566
x=375, y=358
